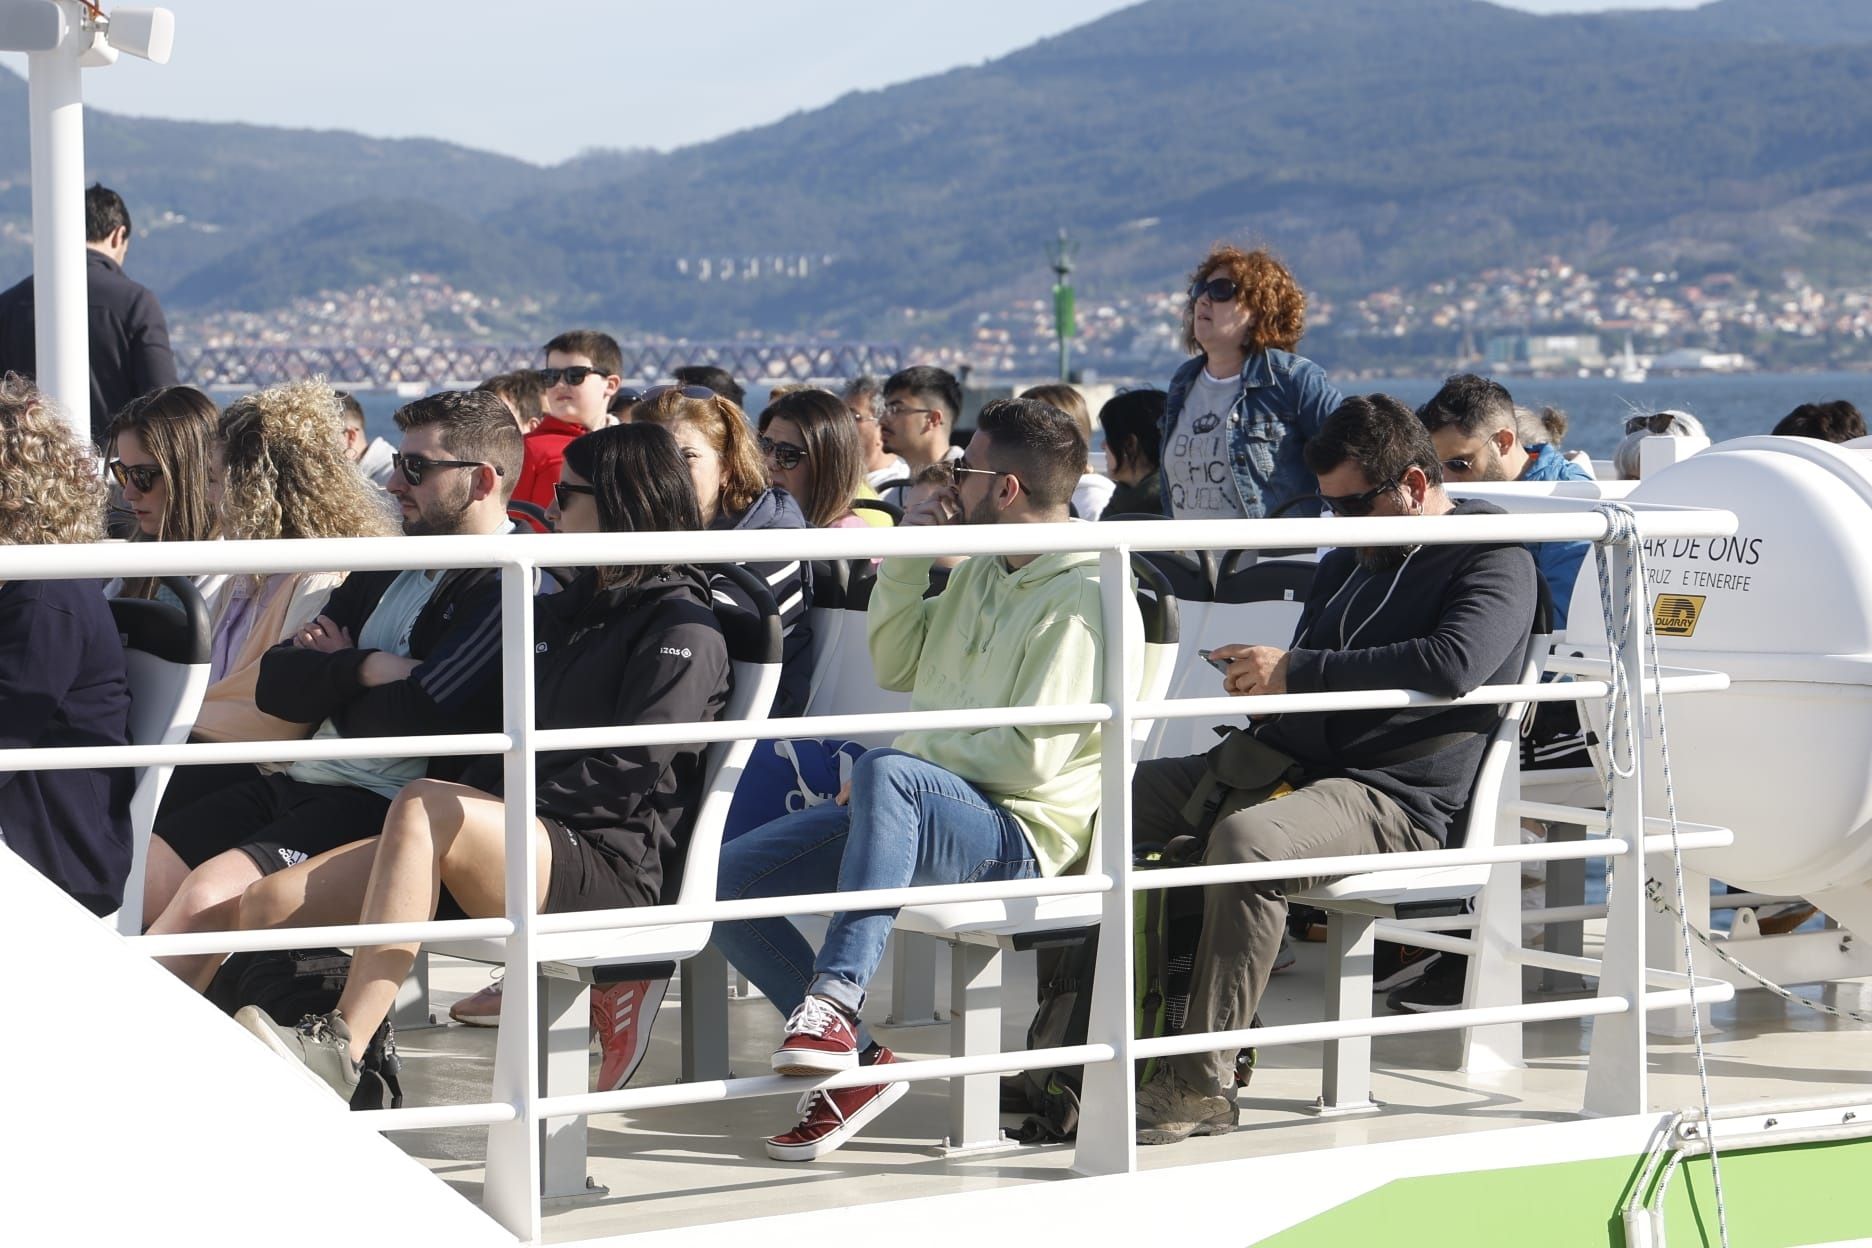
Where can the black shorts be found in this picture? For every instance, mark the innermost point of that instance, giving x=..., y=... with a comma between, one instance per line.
x=273, y=819
x=583, y=878
x=1554, y=738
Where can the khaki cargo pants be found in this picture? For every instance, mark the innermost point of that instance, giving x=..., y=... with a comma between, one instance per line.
x=1243, y=923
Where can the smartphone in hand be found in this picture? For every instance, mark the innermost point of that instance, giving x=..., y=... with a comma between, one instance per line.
x=1209, y=657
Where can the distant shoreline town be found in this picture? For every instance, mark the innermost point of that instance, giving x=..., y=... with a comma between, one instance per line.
x=1546, y=320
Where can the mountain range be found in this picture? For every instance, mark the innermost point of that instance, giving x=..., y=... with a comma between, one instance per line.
x=1368, y=141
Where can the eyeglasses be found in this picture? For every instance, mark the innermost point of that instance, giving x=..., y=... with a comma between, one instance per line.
x=783, y=454
x=1219, y=289
x=860, y=417
x=414, y=467
x=574, y=375
x=564, y=492
x=894, y=410
x=143, y=476
x=701, y=394
x=1356, y=504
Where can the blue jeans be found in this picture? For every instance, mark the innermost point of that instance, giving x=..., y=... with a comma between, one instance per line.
x=908, y=822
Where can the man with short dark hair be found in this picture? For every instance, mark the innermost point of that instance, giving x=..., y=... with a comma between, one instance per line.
x=130, y=353
x=1441, y=619
x=372, y=455
x=394, y=654
x=1838, y=421
x=1473, y=423
x=921, y=406
x=942, y=806
x=580, y=376
x=709, y=377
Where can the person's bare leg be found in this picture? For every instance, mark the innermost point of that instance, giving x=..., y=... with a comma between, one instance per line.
x=435, y=833
x=318, y=891
x=207, y=901
x=163, y=873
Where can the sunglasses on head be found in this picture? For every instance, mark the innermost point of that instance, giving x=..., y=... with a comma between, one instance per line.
x=1351, y=505
x=573, y=375
x=783, y=454
x=143, y=476
x=1656, y=422
x=414, y=467
x=701, y=394
x=1219, y=289
x=564, y=493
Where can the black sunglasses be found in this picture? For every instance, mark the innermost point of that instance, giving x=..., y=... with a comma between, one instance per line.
x=563, y=493
x=143, y=476
x=1656, y=422
x=963, y=466
x=701, y=394
x=1356, y=504
x=1458, y=465
x=1219, y=289
x=413, y=467
x=783, y=454
x=574, y=375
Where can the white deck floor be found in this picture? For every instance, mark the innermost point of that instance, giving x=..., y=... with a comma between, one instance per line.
x=698, y=1164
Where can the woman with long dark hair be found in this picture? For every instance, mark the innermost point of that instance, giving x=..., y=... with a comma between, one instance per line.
x=160, y=450
x=810, y=444
x=619, y=645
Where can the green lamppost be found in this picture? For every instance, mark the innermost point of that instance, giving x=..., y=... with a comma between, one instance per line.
x=1064, y=321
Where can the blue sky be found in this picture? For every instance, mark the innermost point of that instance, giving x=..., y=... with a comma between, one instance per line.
x=543, y=79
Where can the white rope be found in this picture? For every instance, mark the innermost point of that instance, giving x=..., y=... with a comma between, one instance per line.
x=1622, y=528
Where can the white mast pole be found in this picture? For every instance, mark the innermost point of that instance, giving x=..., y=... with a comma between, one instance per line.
x=59, y=300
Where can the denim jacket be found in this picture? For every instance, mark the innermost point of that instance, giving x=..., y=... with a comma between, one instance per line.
x=1559, y=562
x=1285, y=399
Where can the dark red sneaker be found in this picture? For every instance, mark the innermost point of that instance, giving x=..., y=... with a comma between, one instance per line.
x=828, y=1119
x=820, y=1039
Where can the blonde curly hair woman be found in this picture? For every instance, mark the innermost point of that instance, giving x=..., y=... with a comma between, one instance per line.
x=279, y=472
x=61, y=666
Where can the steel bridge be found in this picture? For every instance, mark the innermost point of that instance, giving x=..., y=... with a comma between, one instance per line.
x=440, y=364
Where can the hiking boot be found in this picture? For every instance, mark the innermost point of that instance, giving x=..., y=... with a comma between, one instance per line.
x=1440, y=987
x=479, y=1009
x=829, y=1118
x=320, y=1045
x=621, y=1016
x=821, y=1039
x=1393, y=966
x=1169, y=1111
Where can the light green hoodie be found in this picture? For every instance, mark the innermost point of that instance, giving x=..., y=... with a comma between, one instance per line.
x=1004, y=637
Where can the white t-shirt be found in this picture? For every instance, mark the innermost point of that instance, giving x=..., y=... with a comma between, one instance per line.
x=1198, y=482
x=896, y=470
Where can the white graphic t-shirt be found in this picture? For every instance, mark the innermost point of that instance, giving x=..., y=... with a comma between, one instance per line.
x=1199, y=484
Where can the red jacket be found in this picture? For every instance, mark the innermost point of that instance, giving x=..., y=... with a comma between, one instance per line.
x=545, y=451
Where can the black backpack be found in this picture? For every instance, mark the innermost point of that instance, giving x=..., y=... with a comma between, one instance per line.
x=287, y=983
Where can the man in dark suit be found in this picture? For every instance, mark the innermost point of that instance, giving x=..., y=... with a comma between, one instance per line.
x=130, y=352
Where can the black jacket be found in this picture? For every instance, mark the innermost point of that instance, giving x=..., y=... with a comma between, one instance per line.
x=649, y=654
x=455, y=688
x=130, y=353
x=62, y=684
x=790, y=583
x=1453, y=618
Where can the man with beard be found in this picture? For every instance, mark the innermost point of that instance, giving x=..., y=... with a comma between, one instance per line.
x=395, y=654
x=1472, y=422
x=943, y=806
x=1441, y=619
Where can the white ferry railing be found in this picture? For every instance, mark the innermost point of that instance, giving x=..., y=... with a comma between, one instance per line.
x=1106, y=1144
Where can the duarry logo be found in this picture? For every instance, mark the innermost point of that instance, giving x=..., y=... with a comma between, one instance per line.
x=1675, y=615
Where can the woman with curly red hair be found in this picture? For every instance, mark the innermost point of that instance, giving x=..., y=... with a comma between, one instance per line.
x=1240, y=412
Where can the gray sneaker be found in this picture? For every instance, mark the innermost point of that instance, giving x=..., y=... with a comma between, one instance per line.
x=320, y=1044
x=1170, y=1111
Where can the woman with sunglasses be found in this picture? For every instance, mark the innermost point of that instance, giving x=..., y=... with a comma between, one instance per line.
x=62, y=680
x=158, y=452
x=1239, y=414
x=732, y=491
x=622, y=645
x=276, y=469
x=810, y=444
